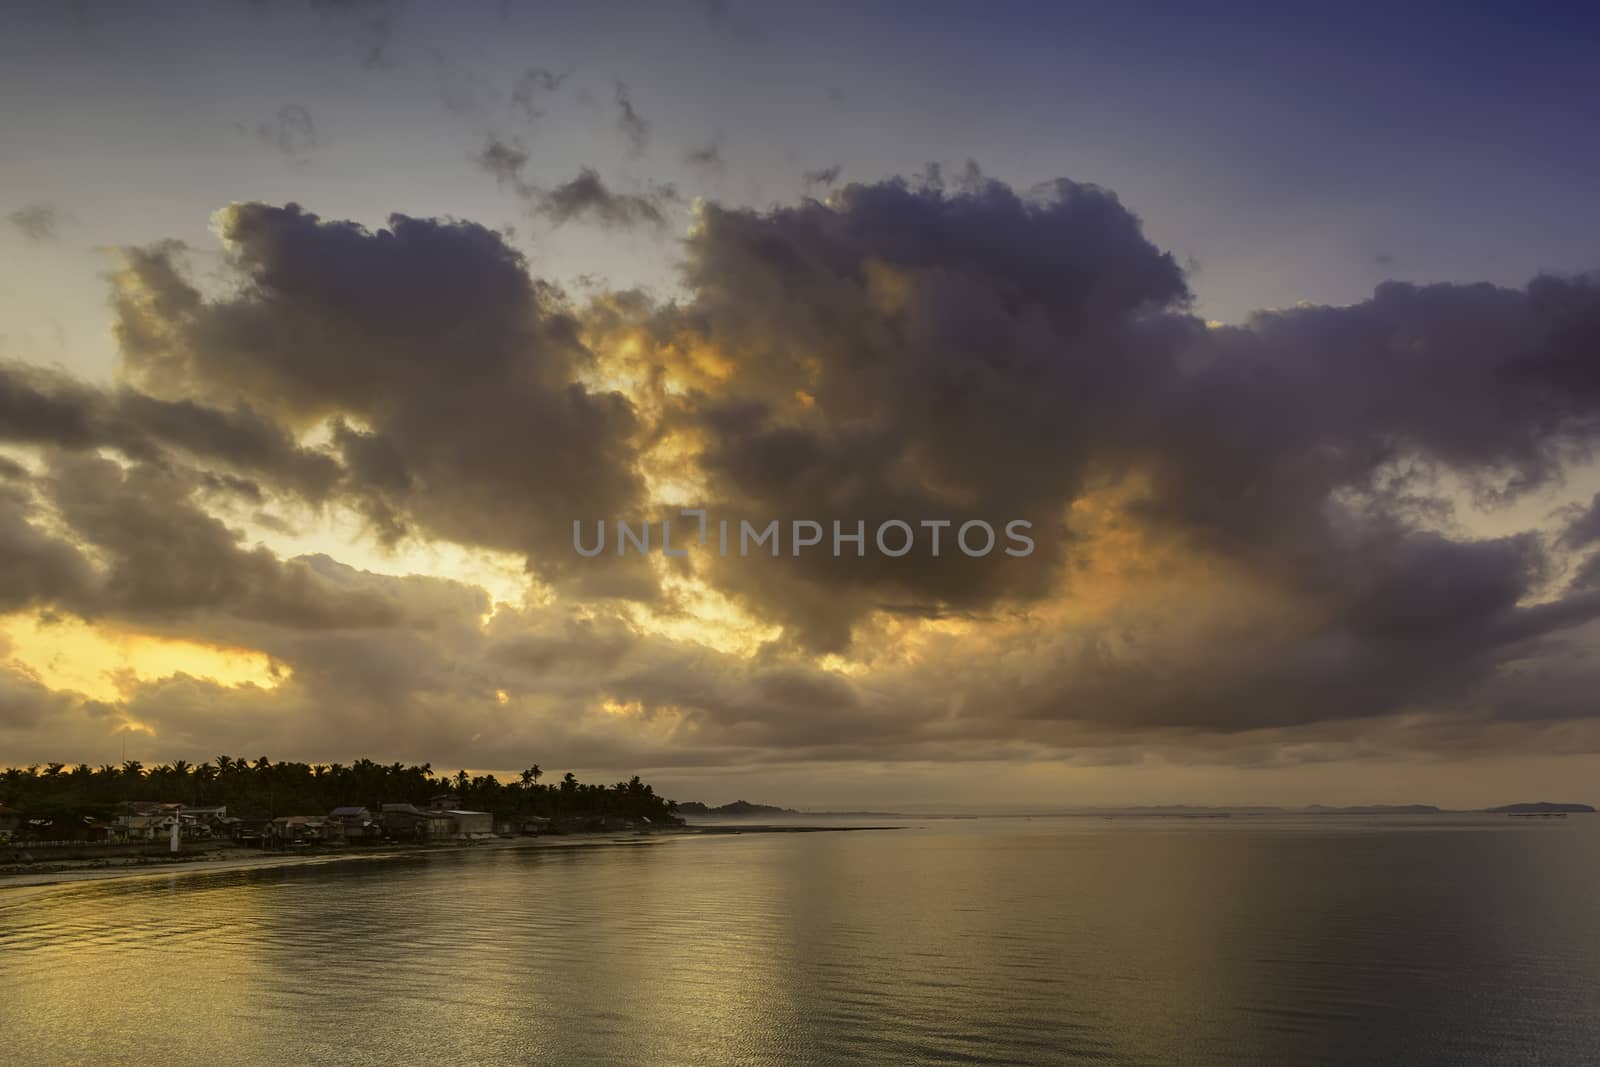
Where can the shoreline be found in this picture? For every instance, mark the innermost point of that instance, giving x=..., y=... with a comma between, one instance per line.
x=242, y=859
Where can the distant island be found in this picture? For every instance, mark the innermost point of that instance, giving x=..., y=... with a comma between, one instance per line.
x=1378, y=809
x=744, y=809
x=1538, y=808
x=739, y=809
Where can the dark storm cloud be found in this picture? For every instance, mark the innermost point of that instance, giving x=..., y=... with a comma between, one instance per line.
x=1426, y=623
x=94, y=539
x=962, y=355
x=1272, y=500
x=39, y=407
x=36, y=568
x=1494, y=382
x=165, y=557
x=1314, y=429
x=979, y=354
x=449, y=374
x=25, y=704
x=635, y=128
x=1583, y=529
x=36, y=222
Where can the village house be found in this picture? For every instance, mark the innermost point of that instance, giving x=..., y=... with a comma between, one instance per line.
x=143, y=820
x=204, y=816
x=305, y=830
x=471, y=825
x=360, y=825
x=246, y=831
x=10, y=822
x=408, y=822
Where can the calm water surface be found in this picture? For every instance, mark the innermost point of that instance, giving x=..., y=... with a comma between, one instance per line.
x=1385, y=941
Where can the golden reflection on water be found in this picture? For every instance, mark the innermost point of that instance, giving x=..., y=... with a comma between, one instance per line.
x=1056, y=941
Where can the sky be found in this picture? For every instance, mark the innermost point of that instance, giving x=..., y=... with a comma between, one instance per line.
x=322, y=324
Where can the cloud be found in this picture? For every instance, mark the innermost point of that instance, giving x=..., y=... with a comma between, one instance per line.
x=37, y=568
x=46, y=408
x=585, y=197
x=635, y=128
x=462, y=89
x=165, y=557
x=26, y=704
x=37, y=222
x=707, y=156
x=291, y=131
x=372, y=22
x=824, y=176
x=506, y=162
x=531, y=88
x=448, y=378
x=736, y=20
x=907, y=354
x=1248, y=546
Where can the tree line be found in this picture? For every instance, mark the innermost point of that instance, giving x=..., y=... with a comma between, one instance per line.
x=262, y=788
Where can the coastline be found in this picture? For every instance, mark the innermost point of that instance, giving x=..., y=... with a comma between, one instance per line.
x=241, y=859
x=244, y=859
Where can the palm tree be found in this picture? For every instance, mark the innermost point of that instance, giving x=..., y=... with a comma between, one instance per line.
x=204, y=775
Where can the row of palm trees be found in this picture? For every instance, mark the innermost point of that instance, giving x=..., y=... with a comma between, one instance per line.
x=264, y=788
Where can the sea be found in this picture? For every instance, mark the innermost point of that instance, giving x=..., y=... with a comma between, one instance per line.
x=1459, y=940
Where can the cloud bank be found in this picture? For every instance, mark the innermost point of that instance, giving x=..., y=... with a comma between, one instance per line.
x=1252, y=543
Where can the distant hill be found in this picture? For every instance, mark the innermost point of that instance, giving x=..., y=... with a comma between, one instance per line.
x=1377, y=809
x=1542, y=807
x=739, y=809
